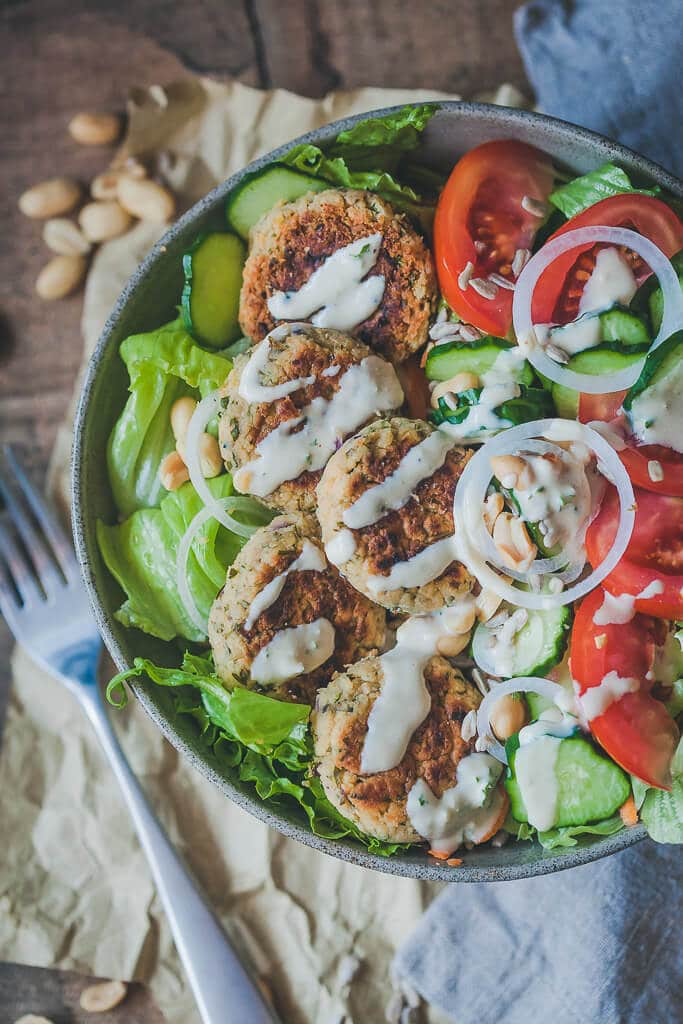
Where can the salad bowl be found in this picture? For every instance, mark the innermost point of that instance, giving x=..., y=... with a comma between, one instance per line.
x=148, y=300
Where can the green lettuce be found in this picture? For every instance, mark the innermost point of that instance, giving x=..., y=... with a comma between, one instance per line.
x=662, y=811
x=256, y=739
x=141, y=553
x=566, y=835
x=372, y=156
x=163, y=365
x=580, y=193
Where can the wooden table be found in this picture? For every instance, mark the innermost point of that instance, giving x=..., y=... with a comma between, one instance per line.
x=61, y=56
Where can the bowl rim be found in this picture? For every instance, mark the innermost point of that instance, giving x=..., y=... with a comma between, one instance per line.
x=546, y=862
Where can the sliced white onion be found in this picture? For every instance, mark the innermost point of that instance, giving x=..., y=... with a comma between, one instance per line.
x=204, y=514
x=203, y=414
x=522, y=684
x=660, y=265
x=470, y=494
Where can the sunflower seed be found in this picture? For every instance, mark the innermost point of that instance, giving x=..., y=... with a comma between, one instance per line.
x=443, y=330
x=468, y=729
x=465, y=275
x=558, y=354
x=502, y=282
x=521, y=258
x=487, y=289
x=442, y=315
x=480, y=246
x=469, y=333
x=536, y=207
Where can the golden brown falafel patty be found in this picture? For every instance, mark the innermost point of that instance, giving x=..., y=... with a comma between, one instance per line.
x=243, y=425
x=364, y=461
x=377, y=803
x=306, y=596
x=292, y=240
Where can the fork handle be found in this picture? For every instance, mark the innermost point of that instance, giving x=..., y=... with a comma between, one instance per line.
x=223, y=988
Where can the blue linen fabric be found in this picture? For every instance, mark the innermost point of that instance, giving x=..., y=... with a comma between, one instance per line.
x=599, y=944
x=610, y=65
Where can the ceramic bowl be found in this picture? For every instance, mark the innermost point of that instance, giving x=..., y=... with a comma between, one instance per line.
x=148, y=301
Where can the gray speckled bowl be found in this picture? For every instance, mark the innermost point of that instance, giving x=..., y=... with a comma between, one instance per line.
x=149, y=300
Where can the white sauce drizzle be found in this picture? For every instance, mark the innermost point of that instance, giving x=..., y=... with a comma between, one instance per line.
x=252, y=390
x=311, y=558
x=535, y=773
x=619, y=609
x=341, y=547
x=293, y=652
x=336, y=289
x=369, y=387
x=558, y=497
x=612, y=687
x=419, y=463
x=422, y=568
x=466, y=812
x=500, y=384
x=404, y=701
x=656, y=414
x=612, y=281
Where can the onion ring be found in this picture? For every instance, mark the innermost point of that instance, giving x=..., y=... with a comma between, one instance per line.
x=522, y=684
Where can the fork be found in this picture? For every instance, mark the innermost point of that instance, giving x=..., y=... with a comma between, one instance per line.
x=45, y=604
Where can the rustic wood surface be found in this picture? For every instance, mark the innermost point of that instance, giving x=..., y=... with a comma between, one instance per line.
x=61, y=56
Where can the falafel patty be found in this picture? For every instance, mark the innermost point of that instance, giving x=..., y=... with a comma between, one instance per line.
x=294, y=377
x=294, y=239
x=377, y=803
x=283, y=609
x=385, y=505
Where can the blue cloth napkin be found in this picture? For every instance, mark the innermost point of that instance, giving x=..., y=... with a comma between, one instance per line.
x=599, y=944
x=610, y=65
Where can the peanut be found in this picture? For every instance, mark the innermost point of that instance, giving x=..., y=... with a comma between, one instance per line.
x=493, y=506
x=32, y=1018
x=460, y=382
x=513, y=542
x=60, y=276
x=450, y=646
x=64, y=237
x=209, y=456
x=103, y=220
x=105, y=185
x=95, y=129
x=173, y=472
x=50, y=198
x=508, y=715
x=181, y=414
x=145, y=199
x=512, y=469
x=103, y=997
x=487, y=603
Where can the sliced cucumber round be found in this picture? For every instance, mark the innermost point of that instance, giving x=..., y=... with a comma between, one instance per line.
x=590, y=787
x=478, y=357
x=648, y=300
x=610, y=357
x=211, y=296
x=259, y=193
x=537, y=647
x=655, y=393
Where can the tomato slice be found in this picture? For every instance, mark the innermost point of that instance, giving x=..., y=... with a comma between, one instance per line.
x=654, y=554
x=558, y=292
x=636, y=729
x=480, y=220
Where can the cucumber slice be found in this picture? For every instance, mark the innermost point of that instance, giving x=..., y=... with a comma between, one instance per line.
x=261, y=191
x=655, y=393
x=536, y=648
x=211, y=295
x=590, y=787
x=648, y=300
x=537, y=704
x=619, y=324
x=609, y=357
x=444, y=361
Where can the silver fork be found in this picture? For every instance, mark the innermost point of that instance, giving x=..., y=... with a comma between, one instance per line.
x=45, y=604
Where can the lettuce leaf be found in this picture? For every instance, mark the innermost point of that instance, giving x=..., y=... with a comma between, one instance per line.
x=371, y=156
x=580, y=193
x=662, y=812
x=255, y=738
x=163, y=365
x=141, y=555
x=567, y=835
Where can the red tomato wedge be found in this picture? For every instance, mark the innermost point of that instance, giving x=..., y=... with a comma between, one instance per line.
x=480, y=220
x=560, y=286
x=654, y=554
x=636, y=729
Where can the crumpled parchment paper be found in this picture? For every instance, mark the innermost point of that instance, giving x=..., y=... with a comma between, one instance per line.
x=75, y=890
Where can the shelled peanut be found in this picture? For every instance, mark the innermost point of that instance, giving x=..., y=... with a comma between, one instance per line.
x=173, y=471
x=118, y=197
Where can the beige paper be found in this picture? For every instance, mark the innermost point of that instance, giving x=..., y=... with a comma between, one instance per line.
x=75, y=890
